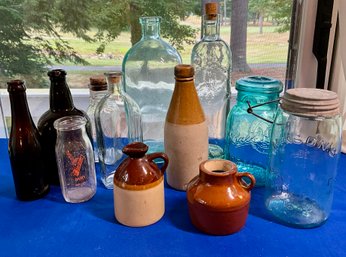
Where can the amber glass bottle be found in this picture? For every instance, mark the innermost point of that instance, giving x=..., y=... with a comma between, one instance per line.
x=29, y=172
x=61, y=104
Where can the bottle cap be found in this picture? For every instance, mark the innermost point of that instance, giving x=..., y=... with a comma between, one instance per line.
x=211, y=10
x=97, y=83
x=183, y=71
x=311, y=102
x=16, y=85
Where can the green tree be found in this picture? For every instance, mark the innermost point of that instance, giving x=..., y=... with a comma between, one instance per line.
x=260, y=8
x=30, y=30
x=281, y=13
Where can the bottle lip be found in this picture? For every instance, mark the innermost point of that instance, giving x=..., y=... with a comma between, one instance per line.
x=16, y=85
x=149, y=19
x=184, y=72
x=259, y=84
x=69, y=123
x=57, y=73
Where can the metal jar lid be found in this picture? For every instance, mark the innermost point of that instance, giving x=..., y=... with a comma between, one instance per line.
x=311, y=102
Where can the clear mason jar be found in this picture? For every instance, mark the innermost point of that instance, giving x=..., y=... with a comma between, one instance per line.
x=247, y=135
x=304, y=152
x=75, y=159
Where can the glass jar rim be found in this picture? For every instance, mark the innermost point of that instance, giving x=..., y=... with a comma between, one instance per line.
x=149, y=19
x=259, y=84
x=68, y=123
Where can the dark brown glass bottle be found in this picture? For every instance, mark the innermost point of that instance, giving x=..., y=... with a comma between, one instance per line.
x=28, y=169
x=61, y=104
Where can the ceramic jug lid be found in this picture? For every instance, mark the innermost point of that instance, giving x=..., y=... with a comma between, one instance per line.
x=311, y=102
x=259, y=84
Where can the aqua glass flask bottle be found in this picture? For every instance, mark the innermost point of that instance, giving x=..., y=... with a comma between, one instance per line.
x=148, y=69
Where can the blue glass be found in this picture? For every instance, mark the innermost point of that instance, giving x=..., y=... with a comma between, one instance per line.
x=247, y=136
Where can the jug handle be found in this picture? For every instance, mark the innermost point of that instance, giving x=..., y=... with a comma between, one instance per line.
x=162, y=156
x=243, y=184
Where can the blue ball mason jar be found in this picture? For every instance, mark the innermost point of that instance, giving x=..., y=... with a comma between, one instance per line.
x=304, y=152
x=248, y=135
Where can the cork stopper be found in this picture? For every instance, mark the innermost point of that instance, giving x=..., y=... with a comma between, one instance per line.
x=211, y=10
x=98, y=83
x=113, y=77
x=184, y=72
x=311, y=102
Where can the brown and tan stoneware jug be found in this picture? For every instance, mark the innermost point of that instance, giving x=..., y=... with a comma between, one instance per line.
x=219, y=198
x=139, y=187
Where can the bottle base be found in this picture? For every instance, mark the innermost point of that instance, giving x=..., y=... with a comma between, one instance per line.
x=295, y=210
x=79, y=195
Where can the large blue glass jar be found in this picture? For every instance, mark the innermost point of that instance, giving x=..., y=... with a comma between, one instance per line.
x=304, y=153
x=148, y=69
x=247, y=135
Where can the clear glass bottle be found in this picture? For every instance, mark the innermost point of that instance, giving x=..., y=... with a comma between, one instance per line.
x=148, y=69
x=247, y=136
x=97, y=89
x=211, y=58
x=304, y=153
x=75, y=158
x=118, y=122
x=24, y=147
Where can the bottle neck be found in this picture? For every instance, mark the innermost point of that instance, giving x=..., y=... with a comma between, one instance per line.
x=151, y=29
x=211, y=28
x=60, y=96
x=20, y=112
x=97, y=95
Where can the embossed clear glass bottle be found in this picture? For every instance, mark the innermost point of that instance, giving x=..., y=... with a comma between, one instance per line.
x=247, y=136
x=304, y=153
x=118, y=122
x=148, y=69
x=97, y=89
x=211, y=58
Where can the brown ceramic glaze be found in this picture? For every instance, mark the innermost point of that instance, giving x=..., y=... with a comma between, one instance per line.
x=138, y=171
x=186, y=130
x=185, y=107
x=218, y=198
x=139, y=187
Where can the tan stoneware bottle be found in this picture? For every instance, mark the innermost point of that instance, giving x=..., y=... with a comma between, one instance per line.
x=186, y=131
x=219, y=198
x=139, y=187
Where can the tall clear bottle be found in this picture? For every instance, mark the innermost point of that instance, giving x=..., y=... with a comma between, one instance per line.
x=25, y=151
x=97, y=89
x=118, y=122
x=60, y=105
x=211, y=58
x=149, y=79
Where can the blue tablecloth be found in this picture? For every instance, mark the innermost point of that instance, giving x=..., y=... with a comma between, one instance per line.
x=52, y=227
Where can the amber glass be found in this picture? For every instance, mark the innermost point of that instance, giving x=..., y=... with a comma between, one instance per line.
x=61, y=104
x=29, y=172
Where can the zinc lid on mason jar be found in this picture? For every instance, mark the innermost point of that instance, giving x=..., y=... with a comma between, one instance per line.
x=311, y=102
x=259, y=84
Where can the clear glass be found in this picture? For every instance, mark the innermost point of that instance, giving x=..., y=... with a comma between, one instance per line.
x=148, y=69
x=211, y=58
x=247, y=136
x=75, y=159
x=95, y=98
x=302, y=168
x=118, y=122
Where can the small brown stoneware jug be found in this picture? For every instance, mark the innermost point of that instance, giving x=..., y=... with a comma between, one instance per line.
x=139, y=187
x=219, y=198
